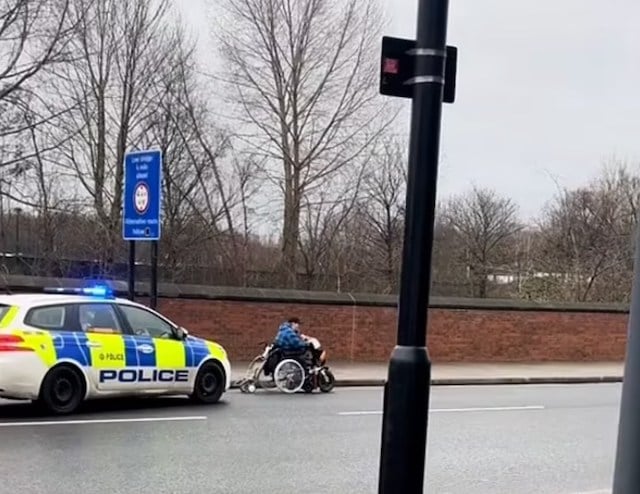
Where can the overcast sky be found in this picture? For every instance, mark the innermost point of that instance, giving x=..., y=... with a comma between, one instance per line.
x=547, y=91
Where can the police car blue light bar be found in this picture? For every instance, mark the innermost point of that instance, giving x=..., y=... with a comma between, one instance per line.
x=98, y=291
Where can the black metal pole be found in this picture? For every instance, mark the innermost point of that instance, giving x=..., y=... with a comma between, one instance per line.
x=18, y=212
x=626, y=478
x=154, y=274
x=406, y=404
x=132, y=270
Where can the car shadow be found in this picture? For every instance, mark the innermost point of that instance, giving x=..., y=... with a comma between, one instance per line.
x=27, y=410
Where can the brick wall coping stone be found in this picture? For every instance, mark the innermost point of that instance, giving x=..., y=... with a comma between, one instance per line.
x=19, y=283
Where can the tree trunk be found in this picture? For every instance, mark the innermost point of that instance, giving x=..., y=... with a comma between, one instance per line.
x=290, y=235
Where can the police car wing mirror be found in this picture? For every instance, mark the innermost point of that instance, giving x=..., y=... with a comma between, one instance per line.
x=182, y=333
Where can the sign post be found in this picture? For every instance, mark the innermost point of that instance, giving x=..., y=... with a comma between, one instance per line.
x=425, y=71
x=141, y=220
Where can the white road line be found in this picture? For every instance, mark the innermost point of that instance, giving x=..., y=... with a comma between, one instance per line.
x=453, y=410
x=99, y=421
x=489, y=409
x=598, y=491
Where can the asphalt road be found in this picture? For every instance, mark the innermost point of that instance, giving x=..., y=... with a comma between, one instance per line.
x=508, y=439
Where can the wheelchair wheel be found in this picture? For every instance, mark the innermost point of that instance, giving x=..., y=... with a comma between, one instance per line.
x=248, y=387
x=289, y=376
x=327, y=380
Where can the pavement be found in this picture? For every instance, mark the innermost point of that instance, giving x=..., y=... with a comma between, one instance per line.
x=533, y=439
x=374, y=373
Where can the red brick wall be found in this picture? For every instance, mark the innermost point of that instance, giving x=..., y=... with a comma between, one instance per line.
x=368, y=333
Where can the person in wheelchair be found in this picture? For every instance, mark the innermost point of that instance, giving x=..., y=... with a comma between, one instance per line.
x=290, y=343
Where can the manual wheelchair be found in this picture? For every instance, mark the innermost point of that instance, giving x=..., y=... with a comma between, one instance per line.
x=289, y=371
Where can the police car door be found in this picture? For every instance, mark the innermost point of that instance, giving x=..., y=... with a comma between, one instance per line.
x=104, y=339
x=161, y=355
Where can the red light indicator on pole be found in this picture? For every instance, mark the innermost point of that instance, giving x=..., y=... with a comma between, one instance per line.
x=391, y=66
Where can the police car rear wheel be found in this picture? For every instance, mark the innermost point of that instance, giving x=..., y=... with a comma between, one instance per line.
x=62, y=390
x=209, y=384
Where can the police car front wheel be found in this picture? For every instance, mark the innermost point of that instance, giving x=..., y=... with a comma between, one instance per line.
x=209, y=384
x=62, y=390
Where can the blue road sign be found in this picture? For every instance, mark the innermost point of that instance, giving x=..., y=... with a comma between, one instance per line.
x=142, y=195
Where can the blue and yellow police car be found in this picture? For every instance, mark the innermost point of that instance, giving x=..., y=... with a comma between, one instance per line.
x=63, y=346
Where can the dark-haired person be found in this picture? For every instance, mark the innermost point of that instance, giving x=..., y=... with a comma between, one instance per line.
x=288, y=337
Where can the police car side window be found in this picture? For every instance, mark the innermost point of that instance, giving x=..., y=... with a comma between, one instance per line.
x=49, y=317
x=144, y=323
x=99, y=318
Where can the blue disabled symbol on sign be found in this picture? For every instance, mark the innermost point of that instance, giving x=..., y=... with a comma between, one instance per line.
x=142, y=195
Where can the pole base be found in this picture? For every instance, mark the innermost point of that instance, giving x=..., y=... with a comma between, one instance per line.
x=405, y=422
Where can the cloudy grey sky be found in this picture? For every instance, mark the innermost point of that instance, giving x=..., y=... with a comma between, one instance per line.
x=547, y=91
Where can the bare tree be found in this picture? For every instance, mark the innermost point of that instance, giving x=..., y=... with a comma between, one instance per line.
x=484, y=224
x=301, y=73
x=170, y=128
x=208, y=178
x=324, y=214
x=110, y=84
x=245, y=176
x=449, y=270
x=382, y=210
x=131, y=84
x=33, y=38
x=587, y=238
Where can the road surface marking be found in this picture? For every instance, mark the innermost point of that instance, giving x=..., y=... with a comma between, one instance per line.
x=451, y=410
x=99, y=421
x=598, y=491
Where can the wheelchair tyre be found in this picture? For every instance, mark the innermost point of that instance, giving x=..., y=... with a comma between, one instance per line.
x=289, y=376
x=326, y=380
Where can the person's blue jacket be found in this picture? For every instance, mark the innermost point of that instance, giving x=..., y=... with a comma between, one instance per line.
x=288, y=339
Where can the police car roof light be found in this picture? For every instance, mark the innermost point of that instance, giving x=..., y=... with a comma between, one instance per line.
x=98, y=291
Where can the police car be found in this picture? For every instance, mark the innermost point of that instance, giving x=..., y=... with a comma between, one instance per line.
x=64, y=346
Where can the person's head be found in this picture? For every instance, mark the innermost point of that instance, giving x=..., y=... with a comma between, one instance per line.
x=295, y=323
